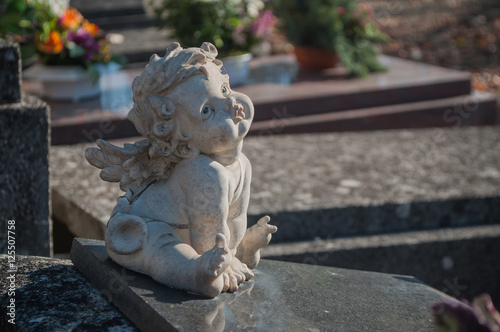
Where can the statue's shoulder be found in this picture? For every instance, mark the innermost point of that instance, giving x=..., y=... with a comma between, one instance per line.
x=200, y=169
x=201, y=165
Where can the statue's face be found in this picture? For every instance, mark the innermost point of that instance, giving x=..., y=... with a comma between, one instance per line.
x=215, y=117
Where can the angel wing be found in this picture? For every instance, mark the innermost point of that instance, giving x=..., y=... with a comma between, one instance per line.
x=130, y=165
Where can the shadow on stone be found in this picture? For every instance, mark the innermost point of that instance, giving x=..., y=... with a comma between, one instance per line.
x=387, y=218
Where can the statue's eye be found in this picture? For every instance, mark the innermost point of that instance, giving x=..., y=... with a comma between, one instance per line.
x=225, y=90
x=206, y=112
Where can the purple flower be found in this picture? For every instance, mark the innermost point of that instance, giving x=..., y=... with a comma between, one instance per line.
x=263, y=24
x=83, y=39
x=455, y=316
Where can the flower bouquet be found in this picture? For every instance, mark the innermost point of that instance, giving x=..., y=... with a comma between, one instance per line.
x=59, y=36
x=234, y=26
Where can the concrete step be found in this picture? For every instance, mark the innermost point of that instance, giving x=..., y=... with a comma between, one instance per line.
x=330, y=185
x=140, y=43
x=462, y=262
x=114, y=15
x=92, y=6
x=127, y=18
x=136, y=21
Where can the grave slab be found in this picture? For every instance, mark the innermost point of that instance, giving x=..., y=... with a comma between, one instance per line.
x=330, y=185
x=282, y=297
x=283, y=94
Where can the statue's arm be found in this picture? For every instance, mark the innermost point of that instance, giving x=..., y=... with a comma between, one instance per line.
x=257, y=236
x=206, y=205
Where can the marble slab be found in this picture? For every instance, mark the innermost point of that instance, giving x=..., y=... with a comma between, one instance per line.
x=282, y=297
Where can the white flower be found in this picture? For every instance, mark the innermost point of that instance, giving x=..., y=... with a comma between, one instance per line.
x=56, y=6
x=254, y=7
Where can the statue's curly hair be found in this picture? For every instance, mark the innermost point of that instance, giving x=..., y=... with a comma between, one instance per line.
x=153, y=113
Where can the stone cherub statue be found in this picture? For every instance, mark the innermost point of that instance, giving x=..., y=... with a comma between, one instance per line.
x=182, y=219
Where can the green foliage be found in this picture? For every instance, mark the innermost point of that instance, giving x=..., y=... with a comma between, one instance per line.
x=208, y=21
x=56, y=34
x=229, y=25
x=19, y=20
x=340, y=26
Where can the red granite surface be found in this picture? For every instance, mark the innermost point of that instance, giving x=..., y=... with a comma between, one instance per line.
x=280, y=91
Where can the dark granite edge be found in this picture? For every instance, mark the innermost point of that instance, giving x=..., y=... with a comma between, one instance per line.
x=81, y=257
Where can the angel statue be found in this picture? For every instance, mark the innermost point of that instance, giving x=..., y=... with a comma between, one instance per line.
x=182, y=219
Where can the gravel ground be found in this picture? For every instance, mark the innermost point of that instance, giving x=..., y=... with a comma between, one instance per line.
x=461, y=34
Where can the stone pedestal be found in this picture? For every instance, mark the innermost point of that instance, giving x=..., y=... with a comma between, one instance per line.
x=10, y=73
x=24, y=166
x=282, y=297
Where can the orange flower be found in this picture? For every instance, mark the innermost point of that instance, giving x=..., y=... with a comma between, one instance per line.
x=51, y=45
x=70, y=19
x=91, y=28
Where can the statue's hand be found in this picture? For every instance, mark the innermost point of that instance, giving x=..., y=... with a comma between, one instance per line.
x=259, y=235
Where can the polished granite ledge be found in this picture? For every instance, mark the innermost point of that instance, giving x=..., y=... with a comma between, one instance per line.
x=282, y=297
x=52, y=295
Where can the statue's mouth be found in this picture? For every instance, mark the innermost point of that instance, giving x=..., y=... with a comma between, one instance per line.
x=239, y=115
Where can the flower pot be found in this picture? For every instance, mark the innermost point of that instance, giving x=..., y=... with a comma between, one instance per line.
x=311, y=58
x=237, y=67
x=67, y=82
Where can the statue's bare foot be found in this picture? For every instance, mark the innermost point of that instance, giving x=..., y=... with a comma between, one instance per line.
x=240, y=270
x=210, y=267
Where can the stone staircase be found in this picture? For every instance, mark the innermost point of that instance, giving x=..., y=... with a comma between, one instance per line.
x=288, y=101
x=422, y=202
x=409, y=95
x=126, y=18
x=417, y=202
